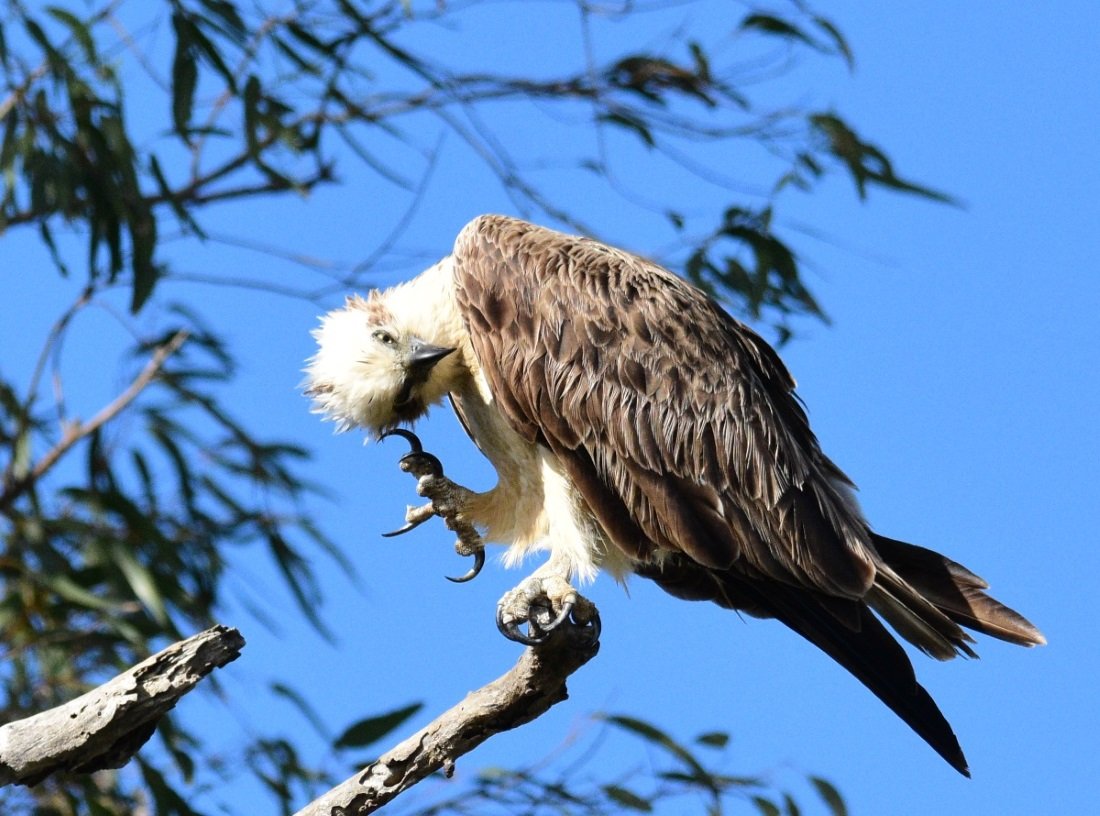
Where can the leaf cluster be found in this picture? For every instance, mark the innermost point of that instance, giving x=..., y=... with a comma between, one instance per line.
x=676, y=777
x=106, y=559
x=259, y=101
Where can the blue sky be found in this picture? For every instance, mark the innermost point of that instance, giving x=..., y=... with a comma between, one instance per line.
x=956, y=386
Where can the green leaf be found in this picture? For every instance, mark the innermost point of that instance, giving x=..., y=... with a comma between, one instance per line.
x=178, y=742
x=143, y=244
x=145, y=476
x=304, y=36
x=702, y=62
x=251, y=100
x=58, y=65
x=21, y=454
x=146, y=274
x=766, y=806
x=163, y=432
x=627, y=799
x=8, y=148
x=831, y=795
x=652, y=734
x=839, y=41
x=71, y=591
x=631, y=123
x=776, y=27
x=290, y=53
x=231, y=23
x=714, y=739
x=866, y=163
x=299, y=578
x=47, y=238
x=371, y=729
x=727, y=781
x=185, y=75
x=166, y=798
x=206, y=48
x=79, y=30
x=304, y=708
x=173, y=200
x=141, y=581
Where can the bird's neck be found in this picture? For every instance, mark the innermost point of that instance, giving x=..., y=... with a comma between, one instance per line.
x=426, y=308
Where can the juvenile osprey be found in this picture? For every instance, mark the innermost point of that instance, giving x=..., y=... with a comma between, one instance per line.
x=637, y=427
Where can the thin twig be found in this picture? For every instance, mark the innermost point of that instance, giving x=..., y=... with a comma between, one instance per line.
x=387, y=244
x=79, y=430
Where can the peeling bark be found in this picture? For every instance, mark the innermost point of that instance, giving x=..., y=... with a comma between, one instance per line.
x=526, y=691
x=105, y=727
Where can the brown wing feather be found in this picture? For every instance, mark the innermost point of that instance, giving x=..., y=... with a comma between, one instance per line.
x=679, y=427
x=661, y=406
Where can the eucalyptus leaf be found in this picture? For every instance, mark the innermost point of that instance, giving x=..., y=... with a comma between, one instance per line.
x=371, y=729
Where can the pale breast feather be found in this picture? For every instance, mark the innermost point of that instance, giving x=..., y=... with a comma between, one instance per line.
x=677, y=423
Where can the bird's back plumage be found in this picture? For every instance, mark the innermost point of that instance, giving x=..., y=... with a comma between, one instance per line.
x=680, y=428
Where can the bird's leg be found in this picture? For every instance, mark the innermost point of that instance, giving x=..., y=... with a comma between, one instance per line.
x=545, y=601
x=448, y=500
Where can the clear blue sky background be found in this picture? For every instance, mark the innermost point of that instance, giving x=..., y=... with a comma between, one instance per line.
x=957, y=386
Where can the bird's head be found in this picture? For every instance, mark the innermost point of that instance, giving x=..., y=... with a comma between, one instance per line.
x=372, y=369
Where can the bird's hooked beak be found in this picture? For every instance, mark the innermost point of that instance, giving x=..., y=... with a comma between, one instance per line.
x=423, y=356
x=421, y=359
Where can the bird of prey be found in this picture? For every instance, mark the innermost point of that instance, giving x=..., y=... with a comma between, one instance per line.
x=637, y=427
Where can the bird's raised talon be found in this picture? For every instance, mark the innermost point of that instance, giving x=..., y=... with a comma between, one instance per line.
x=431, y=482
x=479, y=562
x=420, y=464
x=407, y=463
x=407, y=435
x=417, y=461
x=414, y=517
x=409, y=525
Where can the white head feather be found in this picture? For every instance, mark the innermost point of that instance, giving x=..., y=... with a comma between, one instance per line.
x=361, y=374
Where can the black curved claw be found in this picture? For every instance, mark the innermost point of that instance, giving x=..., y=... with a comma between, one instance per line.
x=513, y=632
x=417, y=451
x=435, y=467
x=593, y=627
x=407, y=435
x=590, y=629
x=412, y=525
x=479, y=562
x=566, y=611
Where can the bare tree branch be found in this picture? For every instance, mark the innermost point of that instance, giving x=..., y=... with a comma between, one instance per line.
x=78, y=430
x=525, y=692
x=105, y=727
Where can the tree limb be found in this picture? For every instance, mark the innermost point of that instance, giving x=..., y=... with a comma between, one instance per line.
x=105, y=727
x=525, y=692
x=78, y=430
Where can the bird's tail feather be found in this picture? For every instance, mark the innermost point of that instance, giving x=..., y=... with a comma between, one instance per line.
x=918, y=578
x=916, y=618
x=925, y=596
x=872, y=655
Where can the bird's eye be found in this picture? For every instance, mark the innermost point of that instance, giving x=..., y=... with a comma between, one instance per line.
x=384, y=337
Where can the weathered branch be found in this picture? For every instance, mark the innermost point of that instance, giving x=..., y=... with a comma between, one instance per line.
x=105, y=727
x=525, y=692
